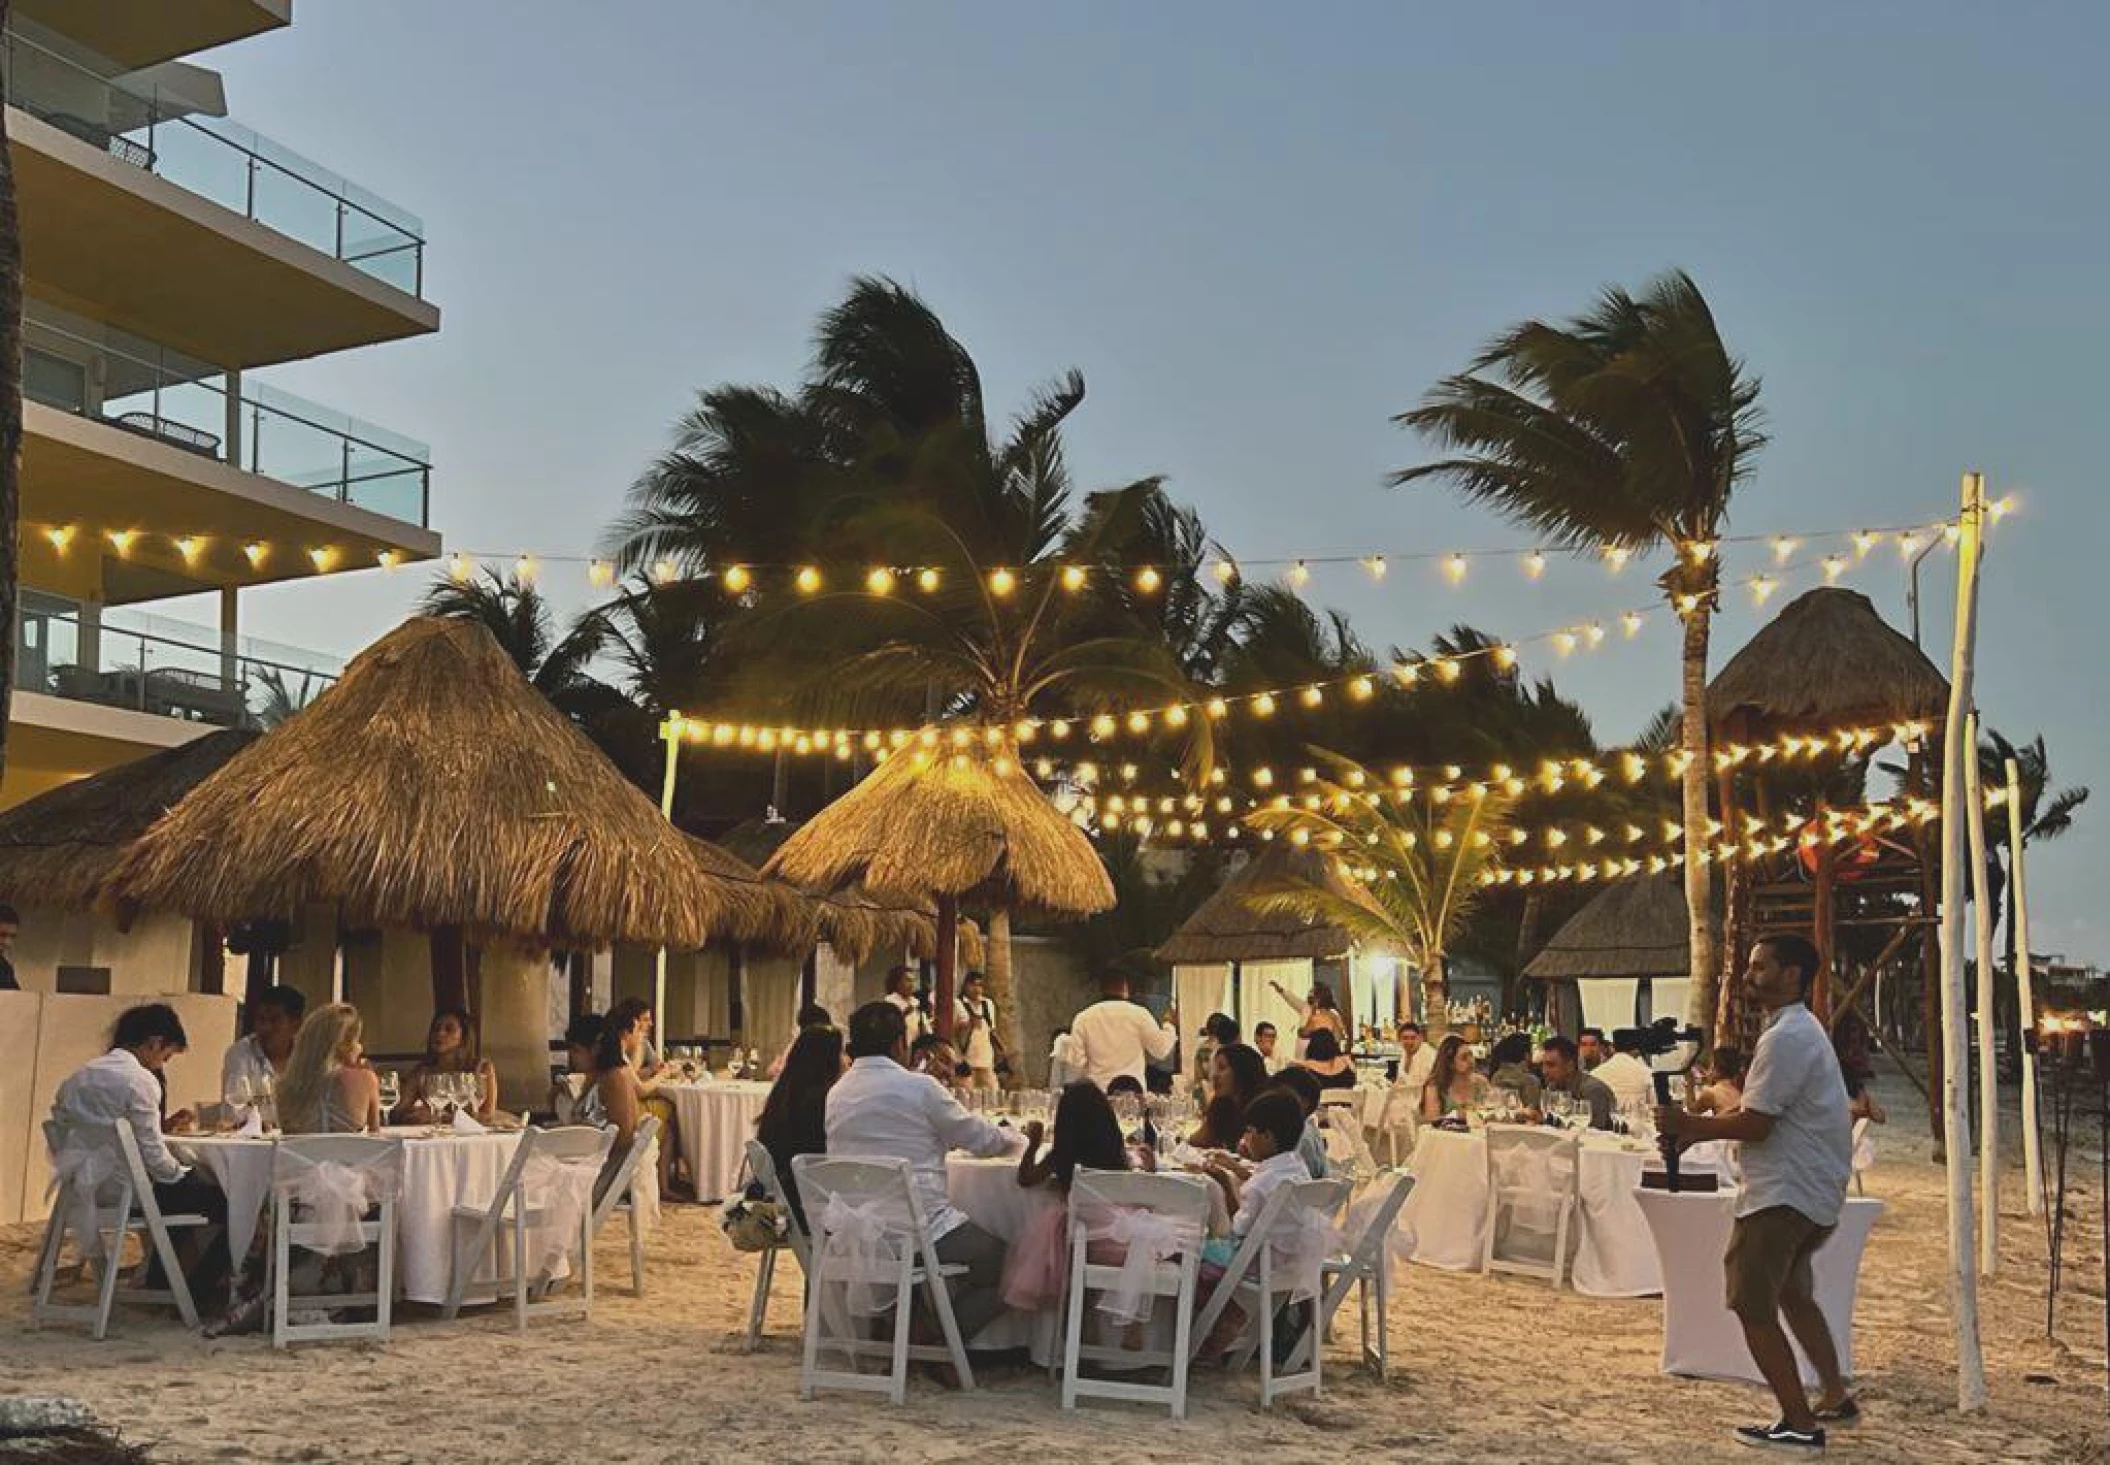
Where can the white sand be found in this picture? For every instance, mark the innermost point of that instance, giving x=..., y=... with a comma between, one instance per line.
x=1488, y=1371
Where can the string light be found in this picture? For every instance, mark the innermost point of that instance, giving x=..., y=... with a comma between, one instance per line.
x=1375, y=564
x=1454, y=569
x=808, y=580
x=60, y=536
x=665, y=572
x=1225, y=571
x=1148, y=580
x=880, y=581
x=1073, y=577
x=1784, y=547
x=927, y=579
x=1535, y=564
x=1002, y=582
x=1299, y=575
x=600, y=574
x=737, y=578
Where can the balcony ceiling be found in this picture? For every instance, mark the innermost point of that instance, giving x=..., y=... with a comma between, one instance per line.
x=116, y=243
x=51, y=741
x=97, y=477
x=137, y=33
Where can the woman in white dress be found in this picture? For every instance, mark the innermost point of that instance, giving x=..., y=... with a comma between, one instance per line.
x=328, y=1089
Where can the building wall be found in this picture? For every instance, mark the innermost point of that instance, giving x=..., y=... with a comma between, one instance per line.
x=157, y=955
x=1053, y=985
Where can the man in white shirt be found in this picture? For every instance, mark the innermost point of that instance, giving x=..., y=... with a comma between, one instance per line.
x=901, y=992
x=1115, y=1036
x=1417, y=1060
x=260, y=1058
x=1625, y=1073
x=974, y=1030
x=1797, y=1158
x=878, y=1107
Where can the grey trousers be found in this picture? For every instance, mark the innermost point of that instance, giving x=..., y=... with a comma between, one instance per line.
x=978, y=1296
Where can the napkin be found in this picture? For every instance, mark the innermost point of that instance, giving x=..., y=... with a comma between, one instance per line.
x=466, y=1123
x=252, y=1127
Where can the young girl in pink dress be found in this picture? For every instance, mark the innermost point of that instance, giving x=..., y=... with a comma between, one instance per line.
x=1086, y=1134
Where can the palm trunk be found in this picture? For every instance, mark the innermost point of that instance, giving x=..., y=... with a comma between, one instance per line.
x=1527, y=948
x=1704, y=994
x=1435, y=996
x=1001, y=992
x=10, y=424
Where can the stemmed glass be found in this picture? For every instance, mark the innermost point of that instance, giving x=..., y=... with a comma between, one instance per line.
x=391, y=1093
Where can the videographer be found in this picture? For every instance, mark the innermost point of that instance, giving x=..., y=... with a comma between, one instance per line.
x=1797, y=1157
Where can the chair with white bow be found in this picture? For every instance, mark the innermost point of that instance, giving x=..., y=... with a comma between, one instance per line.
x=1158, y=1223
x=1864, y=1154
x=334, y=1195
x=1340, y=1120
x=1398, y=1123
x=634, y=1191
x=539, y=1219
x=101, y=1193
x=871, y=1251
x=795, y=1239
x=1282, y=1260
x=1366, y=1266
x=1533, y=1176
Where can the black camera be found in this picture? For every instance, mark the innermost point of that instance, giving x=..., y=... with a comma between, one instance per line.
x=1663, y=1038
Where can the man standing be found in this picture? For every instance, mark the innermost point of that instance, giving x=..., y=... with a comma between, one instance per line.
x=10, y=928
x=880, y=1108
x=974, y=1031
x=901, y=992
x=1624, y=1073
x=1797, y=1157
x=1417, y=1060
x=1560, y=1066
x=1115, y=1036
x=260, y=1059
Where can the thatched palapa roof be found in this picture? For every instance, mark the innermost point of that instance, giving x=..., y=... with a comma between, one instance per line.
x=1232, y=926
x=1631, y=928
x=854, y=923
x=967, y=824
x=431, y=786
x=757, y=911
x=1826, y=661
x=57, y=848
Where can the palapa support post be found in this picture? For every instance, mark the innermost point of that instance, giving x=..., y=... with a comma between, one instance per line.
x=1955, y=1076
x=1988, y=1022
x=948, y=956
x=450, y=969
x=2025, y=994
x=1822, y=934
x=670, y=733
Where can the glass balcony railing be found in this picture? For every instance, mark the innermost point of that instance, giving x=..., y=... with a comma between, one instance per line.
x=128, y=382
x=152, y=124
x=120, y=658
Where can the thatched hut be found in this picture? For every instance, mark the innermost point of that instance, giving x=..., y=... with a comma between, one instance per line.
x=1626, y=953
x=1232, y=953
x=57, y=849
x=1827, y=661
x=433, y=790
x=946, y=828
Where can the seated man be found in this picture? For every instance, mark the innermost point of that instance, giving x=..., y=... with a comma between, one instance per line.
x=879, y=1108
x=1625, y=1073
x=1417, y=1059
x=1562, y=1073
x=1591, y=1045
x=260, y=1059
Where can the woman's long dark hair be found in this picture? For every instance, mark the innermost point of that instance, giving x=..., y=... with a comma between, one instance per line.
x=1223, y=1121
x=1322, y=998
x=471, y=1040
x=1248, y=1072
x=1445, y=1073
x=1086, y=1133
x=811, y=1068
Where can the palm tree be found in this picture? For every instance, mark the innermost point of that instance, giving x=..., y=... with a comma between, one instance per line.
x=1628, y=427
x=2045, y=815
x=281, y=700
x=10, y=422
x=1418, y=865
x=523, y=625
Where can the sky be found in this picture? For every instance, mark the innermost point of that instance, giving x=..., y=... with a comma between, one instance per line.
x=1260, y=231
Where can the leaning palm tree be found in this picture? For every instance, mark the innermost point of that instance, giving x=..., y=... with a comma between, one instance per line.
x=1628, y=427
x=2046, y=814
x=1418, y=866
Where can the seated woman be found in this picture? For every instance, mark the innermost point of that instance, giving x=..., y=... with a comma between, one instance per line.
x=1455, y=1086
x=1510, y=1063
x=629, y=1023
x=1325, y=1061
x=1088, y=1134
x=1724, y=1091
x=1222, y=1123
x=795, y=1115
x=328, y=1089
x=812, y=1015
x=609, y=1100
x=1237, y=1073
x=451, y=1046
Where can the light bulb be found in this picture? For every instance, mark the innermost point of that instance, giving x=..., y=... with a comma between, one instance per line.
x=737, y=578
x=880, y=581
x=808, y=580
x=1002, y=582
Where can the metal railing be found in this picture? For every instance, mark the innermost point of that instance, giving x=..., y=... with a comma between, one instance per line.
x=145, y=388
x=151, y=125
x=167, y=668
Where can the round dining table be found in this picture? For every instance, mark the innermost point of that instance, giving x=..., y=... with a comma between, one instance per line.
x=715, y=1121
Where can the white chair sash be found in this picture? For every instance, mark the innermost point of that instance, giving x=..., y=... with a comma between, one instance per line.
x=79, y=1170
x=1151, y=1238
x=563, y=1191
x=334, y=1196
x=1536, y=1179
x=1304, y=1240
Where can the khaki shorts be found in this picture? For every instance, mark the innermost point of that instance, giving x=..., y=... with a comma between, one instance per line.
x=1768, y=1261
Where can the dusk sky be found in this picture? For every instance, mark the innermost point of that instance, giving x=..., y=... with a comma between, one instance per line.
x=1260, y=231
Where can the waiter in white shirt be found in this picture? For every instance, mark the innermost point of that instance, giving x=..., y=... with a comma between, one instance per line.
x=901, y=992
x=1116, y=1036
x=878, y=1107
x=974, y=1030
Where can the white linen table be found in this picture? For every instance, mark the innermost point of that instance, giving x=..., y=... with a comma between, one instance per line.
x=1701, y=1337
x=440, y=1172
x=716, y=1121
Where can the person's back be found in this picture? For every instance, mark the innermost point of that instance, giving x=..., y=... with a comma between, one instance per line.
x=1627, y=1077
x=1115, y=1036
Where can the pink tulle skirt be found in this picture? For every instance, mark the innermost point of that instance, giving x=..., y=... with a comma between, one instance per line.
x=1037, y=1266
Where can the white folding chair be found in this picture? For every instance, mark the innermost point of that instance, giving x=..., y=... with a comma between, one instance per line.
x=560, y=1166
x=1860, y=1143
x=1261, y=1281
x=1162, y=1219
x=323, y=1188
x=621, y=1194
x=1367, y=1267
x=1398, y=1124
x=796, y=1240
x=1531, y=1189
x=1340, y=1120
x=90, y=1164
x=869, y=1235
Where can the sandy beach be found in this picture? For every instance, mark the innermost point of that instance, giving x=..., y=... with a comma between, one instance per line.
x=1488, y=1370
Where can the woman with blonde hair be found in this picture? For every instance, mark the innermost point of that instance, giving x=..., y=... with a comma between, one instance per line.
x=328, y=1089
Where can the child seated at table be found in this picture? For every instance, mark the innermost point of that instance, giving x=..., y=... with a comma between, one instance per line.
x=1273, y=1123
x=1311, y=1144
x=1088, y=1134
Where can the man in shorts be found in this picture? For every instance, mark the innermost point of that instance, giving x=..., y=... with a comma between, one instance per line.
x=1797, y=1157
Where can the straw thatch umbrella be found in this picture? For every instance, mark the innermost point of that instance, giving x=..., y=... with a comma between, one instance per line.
x=1826, y=661
x=57, y=848
x=947, y=827
x=757, y=911
x=1631, y=928
x=1233, y=925
x=854, y=922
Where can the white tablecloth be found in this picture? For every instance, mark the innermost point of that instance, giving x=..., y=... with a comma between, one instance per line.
x=1701, y=1337
x=716, y=1120
x=440, y=1172
x=1446, y=1215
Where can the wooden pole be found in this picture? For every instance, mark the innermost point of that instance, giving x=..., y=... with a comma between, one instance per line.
x=948, y=961
x=2025, y=994
x=1988, y=1021
x=1822, y=934
x=1955, y=1077
x=670, y=733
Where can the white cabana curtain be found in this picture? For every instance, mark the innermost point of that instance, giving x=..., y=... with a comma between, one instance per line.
x=1257, y=1002
x=1667, y=997
x=770, y=1003
x=1608, y=1002
x=834, y=983
x=1373, y=981
x=1201, y=990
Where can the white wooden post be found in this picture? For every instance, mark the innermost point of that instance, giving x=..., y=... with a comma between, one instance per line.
x=1956, y=1080
x=670, y=732
x=2025, y=994
x=1988, y=1059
